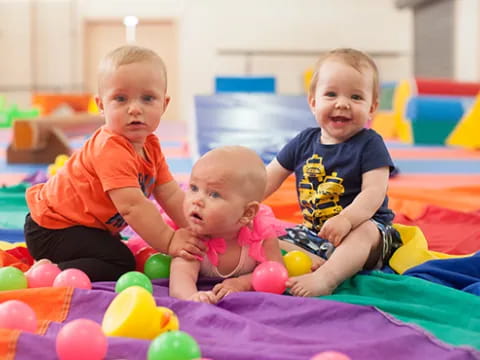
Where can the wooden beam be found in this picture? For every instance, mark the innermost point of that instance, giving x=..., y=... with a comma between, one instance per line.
x=41, y=139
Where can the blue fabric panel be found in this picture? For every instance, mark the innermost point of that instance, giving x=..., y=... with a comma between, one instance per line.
x=462, y=273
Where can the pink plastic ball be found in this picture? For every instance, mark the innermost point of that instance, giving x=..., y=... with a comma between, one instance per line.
x=72, y=278
x=81, y=339
x=15, y=314
x=42, y=275
x=270, y=276
x=330, y=355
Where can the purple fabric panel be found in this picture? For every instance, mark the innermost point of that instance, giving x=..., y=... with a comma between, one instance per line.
x=260, y=326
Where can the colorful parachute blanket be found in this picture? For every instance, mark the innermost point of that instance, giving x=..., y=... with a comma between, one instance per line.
x=406, y=318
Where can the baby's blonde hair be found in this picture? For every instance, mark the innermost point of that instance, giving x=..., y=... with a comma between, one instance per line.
x=352, y=57
x=128, y=54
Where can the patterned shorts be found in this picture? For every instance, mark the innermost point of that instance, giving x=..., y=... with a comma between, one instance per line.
x=307, y=239
x=391, y=241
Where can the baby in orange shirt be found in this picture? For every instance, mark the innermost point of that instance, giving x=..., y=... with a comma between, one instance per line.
x=76, y=216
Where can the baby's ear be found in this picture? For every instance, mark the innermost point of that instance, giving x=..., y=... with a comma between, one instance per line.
x=251, y=210
x=99, y=102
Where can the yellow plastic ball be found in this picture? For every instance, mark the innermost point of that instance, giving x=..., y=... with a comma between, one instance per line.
x=297, y=263
x=169, y=319
x=133, y=313
x=52, y=169
x=61, y=159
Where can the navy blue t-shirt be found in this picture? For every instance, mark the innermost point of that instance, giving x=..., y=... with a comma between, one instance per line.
x=329, y=177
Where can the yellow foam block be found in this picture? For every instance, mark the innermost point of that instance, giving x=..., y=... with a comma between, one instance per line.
x=384, y=123
x=404, y=90
x=414, y=250
x=466, y=132
x=92, y=106
x=307, y=78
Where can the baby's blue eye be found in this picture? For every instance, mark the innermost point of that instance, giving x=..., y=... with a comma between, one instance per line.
x=214, y=194
x=193, y=188
x=330, y=94
x=120, y=98
x=356, y=97
x=147, y=98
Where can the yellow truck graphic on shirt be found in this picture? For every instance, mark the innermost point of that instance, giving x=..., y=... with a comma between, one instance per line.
x=319, y=194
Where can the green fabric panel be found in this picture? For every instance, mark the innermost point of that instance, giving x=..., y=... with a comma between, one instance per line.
x=451, y=315
x=13, y=206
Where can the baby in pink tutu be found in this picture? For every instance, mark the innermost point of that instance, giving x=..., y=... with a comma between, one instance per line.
x=222, y=206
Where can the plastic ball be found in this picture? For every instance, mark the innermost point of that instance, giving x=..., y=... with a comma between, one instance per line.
x=15, y=314
x=157, y=266
x=330, y=355
x=52, y=169
x=270, y=276
x=133, y=278
x=12, y=278
x=61, y=159
x=142, y=256
x=174, y=345
x=81, y=339
x=73, y=278
x=42, y=275
x=169, y=319
x=297, y=263
x=133, y=313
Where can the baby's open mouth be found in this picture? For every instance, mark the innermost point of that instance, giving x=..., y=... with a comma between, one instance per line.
x=135, y=123
x=195, y=215
x=339, y=119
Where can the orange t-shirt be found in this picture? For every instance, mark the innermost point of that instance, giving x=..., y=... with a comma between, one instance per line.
x=77, y=194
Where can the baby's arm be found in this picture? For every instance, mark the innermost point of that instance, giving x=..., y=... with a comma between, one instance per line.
x=170, y=197
x=142, y=215
x=276, y=175
x=183, y=281
x=362, y=208
x=244, y=282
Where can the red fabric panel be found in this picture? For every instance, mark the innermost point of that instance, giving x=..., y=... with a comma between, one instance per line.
x=448, y=231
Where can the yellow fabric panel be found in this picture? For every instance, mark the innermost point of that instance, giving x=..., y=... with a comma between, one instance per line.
x=5, y=245
x=414, y=250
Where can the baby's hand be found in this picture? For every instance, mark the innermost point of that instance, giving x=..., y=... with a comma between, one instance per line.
x=232, y=285
x=186, y=245
x=335, y=229
x=204, y=296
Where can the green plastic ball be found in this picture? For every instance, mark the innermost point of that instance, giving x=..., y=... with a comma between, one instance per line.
x=173, y=345
x=12, y=278
x=158, y=266
x=133, y=278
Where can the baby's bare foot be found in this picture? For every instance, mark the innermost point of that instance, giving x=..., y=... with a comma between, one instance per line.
x=313, y=284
